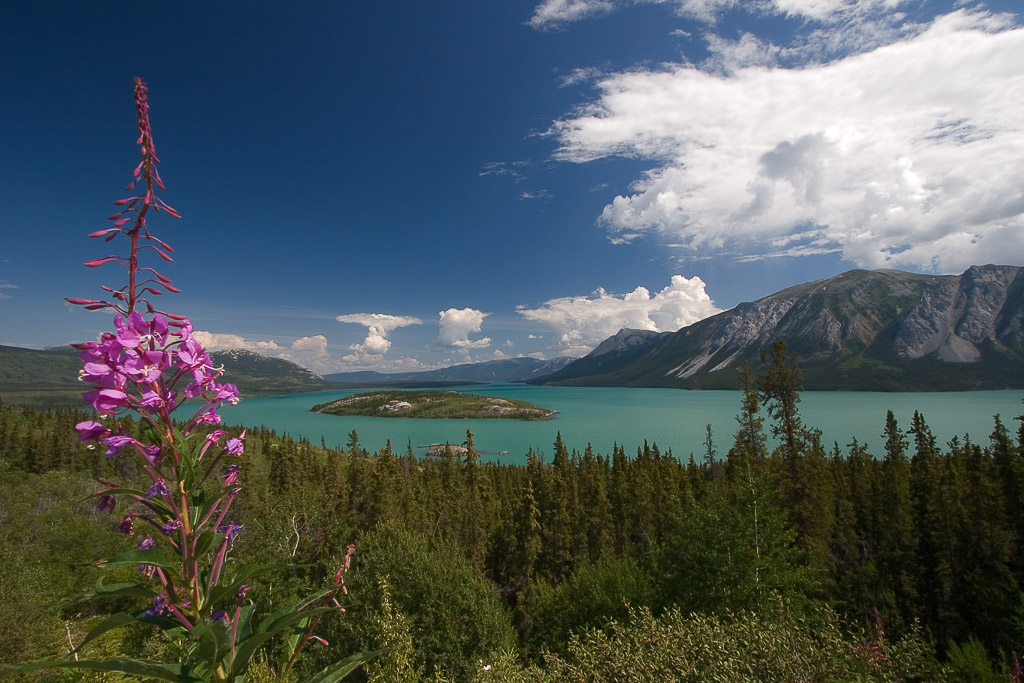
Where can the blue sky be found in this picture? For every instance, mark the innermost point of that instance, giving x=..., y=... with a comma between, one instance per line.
x=405, y=185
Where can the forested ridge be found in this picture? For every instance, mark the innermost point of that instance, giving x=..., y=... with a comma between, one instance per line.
x=806, y=562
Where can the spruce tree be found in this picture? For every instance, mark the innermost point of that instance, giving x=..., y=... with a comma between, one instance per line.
x=894, y=522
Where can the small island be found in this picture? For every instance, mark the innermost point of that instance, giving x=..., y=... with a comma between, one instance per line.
x=437, y=405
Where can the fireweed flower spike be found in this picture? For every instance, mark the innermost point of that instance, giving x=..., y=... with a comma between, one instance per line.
x=145, y=367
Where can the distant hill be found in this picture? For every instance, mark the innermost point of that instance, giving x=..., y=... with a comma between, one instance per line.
x=508, y=370
x=882, y=330
x=40, y=378
x=258, y=375
x=49, y=377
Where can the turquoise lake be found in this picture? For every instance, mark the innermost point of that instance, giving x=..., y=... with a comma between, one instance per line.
x=672, y=418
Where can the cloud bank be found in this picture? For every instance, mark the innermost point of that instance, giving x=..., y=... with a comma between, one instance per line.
x=212, y=341
x=455, y=326
x=310, y=352
x=378, y=326
x=907, y=154
x=582, y=322
x=552, y=14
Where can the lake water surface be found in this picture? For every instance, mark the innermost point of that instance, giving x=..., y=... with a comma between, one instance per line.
x=674, y=419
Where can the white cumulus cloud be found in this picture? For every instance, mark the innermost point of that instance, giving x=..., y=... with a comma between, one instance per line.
x=582, y=322
x=310, y=352
x=558, y=13
x=455, y=326
x=555, y=13
x=910, y=154
x=378, y=326
x=212, y=341
x=315, y=345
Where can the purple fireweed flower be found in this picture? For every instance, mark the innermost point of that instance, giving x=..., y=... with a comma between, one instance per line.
x=158, y=328
x=217, y=615
x=193, y=389
x=100, y=373
x=153, y=454
x=125, y=527
x=225, y=392
x=107, y=504
x=230, y=477
x=157, y=489
x=138, y=323
x=171, y=526
x=147, y=366
x=159, y=605
x=115, y=443
x=126, y=335
x=210, y=417
x=91, y=430
x=192, y=355
x=234, y=446
x=151, y=399
x=147, y=543
x=214, y=436
x=230, y=529
x=240, y=596
x=106, y=400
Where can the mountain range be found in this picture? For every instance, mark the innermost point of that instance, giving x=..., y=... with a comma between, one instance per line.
x=879, y=330
x=876, y=330
x=49, y=377
x=507, y=370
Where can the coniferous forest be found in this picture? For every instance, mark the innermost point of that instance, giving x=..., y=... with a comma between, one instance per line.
x=802, y=562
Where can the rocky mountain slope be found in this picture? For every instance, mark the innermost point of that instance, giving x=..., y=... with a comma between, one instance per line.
x=860, y=330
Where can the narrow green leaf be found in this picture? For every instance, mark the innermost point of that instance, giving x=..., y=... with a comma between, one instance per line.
x=114, y=492
x=163, y=672
x=244, y=622
x=245, y=651
x=152, y=557
x=116, y=590
x=270, y=622
x=338, y=670
x=196, y=506
x=295, y=638
x=244, y=575
x=214, y=641
x=204, y=542
x=109, y=624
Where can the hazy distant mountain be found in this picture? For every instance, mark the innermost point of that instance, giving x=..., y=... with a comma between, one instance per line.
x=861, y=330
x=509, y=370
x=39, y=378
x=258, y=375
x=50, y=376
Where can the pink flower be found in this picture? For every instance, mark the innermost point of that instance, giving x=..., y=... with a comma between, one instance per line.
x=126, y=336
x=91, y=430
x=225, y=392
x=230, y=477
x=116, y=443
x=107, y=504
x=107, y=400
x=147, y=366
x=101, y=374
x=210, y=417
